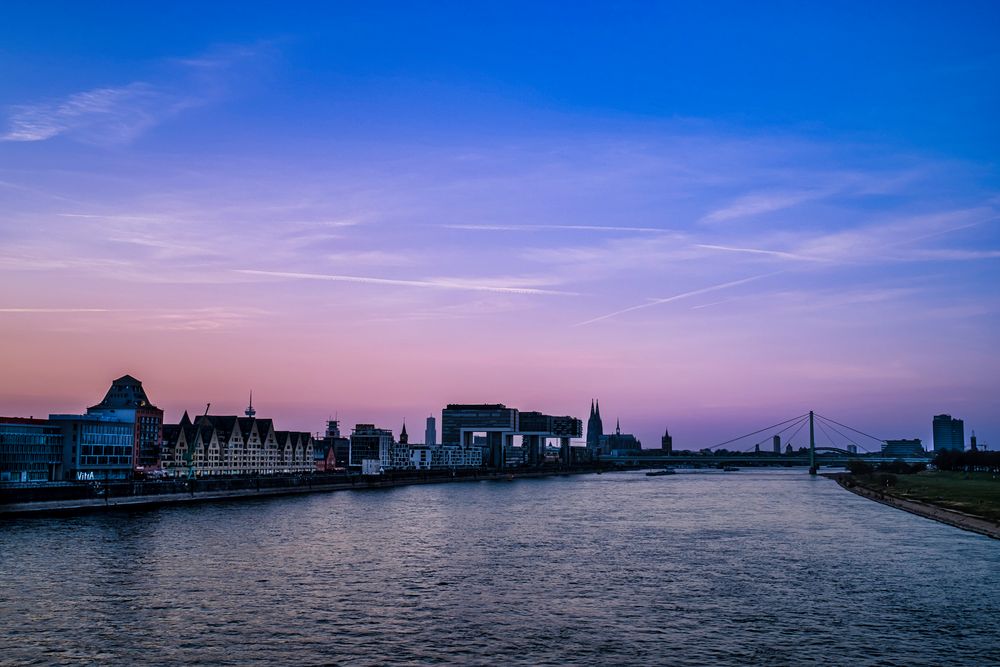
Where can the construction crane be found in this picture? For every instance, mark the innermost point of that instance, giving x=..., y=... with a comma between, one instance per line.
x=204, y=419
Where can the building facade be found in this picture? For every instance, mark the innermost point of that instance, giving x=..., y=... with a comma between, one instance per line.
x=462, y=424
x=370, y=444
x=332, y=451
x=126, y=400
x=221, y=445
x=903, y=448
x=949, y=433
x=31, y=450
x=459, y=421
x=96, y=447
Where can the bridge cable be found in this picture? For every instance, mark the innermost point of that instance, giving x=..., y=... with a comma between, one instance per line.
x=804, y=417
x=867, y=435
x=768, y=428
x=849, y=439
x=796, y=431
x=827, y=434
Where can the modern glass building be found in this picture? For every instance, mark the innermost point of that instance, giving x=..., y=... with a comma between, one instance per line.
x=903, y=448
x=949, y=433
x=457, y=418
x=370, y=443
x=96, y=447
x=31, y=450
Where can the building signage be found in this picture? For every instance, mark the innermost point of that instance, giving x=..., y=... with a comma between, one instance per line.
x=85, y=476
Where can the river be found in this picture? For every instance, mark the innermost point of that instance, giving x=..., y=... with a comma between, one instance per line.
x=758, y=567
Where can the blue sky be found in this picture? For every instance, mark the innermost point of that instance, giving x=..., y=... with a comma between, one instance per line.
x=705, y=215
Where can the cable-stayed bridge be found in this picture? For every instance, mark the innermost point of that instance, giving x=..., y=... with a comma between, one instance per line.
x=808, y=439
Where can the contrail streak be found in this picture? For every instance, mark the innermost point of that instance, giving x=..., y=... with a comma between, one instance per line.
x=57, y=310
x=757, y=251
x=676, y=297
x=530, y=228
x=432, y=284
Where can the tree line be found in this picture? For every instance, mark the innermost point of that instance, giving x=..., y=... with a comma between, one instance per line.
x=967, y=461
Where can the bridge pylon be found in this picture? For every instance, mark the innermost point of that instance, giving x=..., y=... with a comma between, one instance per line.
x=813, y=467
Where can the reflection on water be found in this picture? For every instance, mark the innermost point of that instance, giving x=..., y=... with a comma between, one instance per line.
x=769, y=568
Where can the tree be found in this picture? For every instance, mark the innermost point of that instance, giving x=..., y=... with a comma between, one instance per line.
x=859, y=467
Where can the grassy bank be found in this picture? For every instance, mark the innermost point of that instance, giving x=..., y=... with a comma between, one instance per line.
x=977, y=494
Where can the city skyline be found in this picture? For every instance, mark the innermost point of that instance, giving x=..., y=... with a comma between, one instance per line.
x=708, y=222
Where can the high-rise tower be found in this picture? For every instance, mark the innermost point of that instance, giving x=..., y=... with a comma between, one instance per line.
x=430, y=433
x=949, y=433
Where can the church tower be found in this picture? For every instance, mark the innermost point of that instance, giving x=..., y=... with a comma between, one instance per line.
x=595, y=428
x=404, y=439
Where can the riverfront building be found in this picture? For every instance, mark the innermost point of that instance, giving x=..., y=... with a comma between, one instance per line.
x=461, y=422
x=127, y=401
x=903, y=448
x=96, y=447
x=949, y=433
x=31, y=450
x=331, y=452
x=231, y=445
x=370, y=444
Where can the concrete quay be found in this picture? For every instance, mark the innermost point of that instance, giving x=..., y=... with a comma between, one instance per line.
x=354, y=482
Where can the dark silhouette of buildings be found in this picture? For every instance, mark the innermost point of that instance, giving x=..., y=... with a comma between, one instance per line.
x=949, y=433
x=595, y=427
x=598, y=443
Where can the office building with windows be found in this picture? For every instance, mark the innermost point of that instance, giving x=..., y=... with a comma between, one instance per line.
x=949, y=433
x=126, y=400
x=31, y=450
x=370, y=444
x=96, y=447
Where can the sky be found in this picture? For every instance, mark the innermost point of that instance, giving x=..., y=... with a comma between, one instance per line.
x=710, y=216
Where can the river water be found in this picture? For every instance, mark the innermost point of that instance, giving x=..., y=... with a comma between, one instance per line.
x=767, y=567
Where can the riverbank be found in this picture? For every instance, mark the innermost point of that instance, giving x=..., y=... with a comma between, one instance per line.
x=194, y=496
x=984, y=525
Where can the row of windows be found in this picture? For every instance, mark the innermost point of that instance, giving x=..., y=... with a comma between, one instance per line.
x=89, y=461
x=104, y=450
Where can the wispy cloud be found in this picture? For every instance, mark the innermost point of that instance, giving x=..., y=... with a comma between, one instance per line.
x=676, y=297
x=539, y=228
x=57, y=310
x=370, y=258
x=758, y=203
x=438, y=283
x=119, y=114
